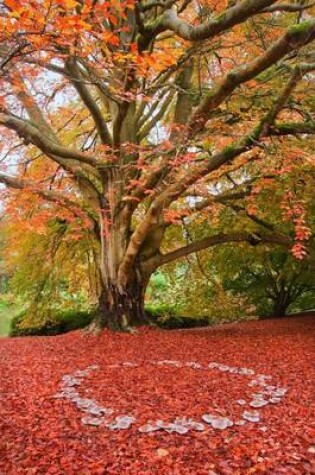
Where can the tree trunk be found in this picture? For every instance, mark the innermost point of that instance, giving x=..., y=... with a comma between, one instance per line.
x=121, y=299
x=123, y=309
x=280, y=305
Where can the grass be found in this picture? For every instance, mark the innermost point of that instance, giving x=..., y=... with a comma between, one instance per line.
x=7, y=312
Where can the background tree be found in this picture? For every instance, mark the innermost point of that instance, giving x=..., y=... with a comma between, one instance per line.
x=274, y=281
x=140, y=108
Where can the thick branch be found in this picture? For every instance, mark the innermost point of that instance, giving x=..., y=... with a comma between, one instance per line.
x=31, y=134
x=205, y=243
x=222, y=198
x=226, y=20
x=184, y=104
x=155, y=3
x=289, y=7
x=293, y=128
x=296, y=37
x=88, y=99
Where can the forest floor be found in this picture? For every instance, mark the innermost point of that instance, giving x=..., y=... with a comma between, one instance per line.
x=45, y=425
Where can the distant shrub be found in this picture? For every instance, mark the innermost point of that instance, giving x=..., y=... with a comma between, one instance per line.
x=55, y=324
x=167, y=316
x=159, y=309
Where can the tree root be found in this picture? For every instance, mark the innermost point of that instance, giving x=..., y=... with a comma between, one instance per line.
x=94, y=328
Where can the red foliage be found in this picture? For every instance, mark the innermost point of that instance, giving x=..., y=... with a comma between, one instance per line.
x=293, y=209
x=43, y=435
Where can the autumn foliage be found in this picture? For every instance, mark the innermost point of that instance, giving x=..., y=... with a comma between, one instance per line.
x=127, y=119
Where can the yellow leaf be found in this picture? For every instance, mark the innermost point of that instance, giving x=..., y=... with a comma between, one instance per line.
x=70, y=3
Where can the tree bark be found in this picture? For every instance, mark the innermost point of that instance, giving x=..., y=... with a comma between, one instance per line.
x=281, y=304
x=122, y=309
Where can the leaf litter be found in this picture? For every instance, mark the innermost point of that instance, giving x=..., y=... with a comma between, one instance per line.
x=186, y=395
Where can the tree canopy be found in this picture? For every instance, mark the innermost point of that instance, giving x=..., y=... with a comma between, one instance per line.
x=130, y=118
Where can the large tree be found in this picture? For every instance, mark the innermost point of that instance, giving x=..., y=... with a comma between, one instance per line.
x=142, y=107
